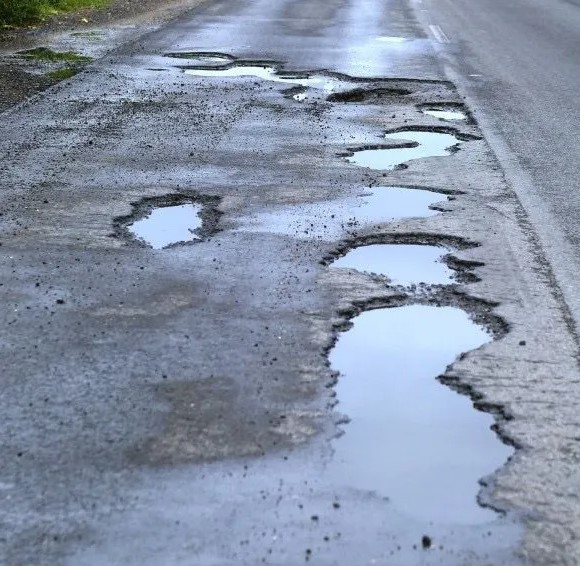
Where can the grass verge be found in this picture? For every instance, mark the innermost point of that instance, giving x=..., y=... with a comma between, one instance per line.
x=21, y=12
x=45, y=54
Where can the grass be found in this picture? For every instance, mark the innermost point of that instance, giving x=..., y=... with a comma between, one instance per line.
x=62, y=74
x=45, y=54
x=22, y=12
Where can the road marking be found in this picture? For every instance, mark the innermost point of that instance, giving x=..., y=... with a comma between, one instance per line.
x=439, y=34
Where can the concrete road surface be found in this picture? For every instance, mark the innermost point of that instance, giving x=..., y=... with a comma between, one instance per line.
x=219, y=397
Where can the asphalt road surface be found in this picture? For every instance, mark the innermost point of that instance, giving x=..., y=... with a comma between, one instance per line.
x=182, y=405
x=519, y=62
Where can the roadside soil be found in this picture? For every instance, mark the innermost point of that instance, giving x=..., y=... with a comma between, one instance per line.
x=20, y=78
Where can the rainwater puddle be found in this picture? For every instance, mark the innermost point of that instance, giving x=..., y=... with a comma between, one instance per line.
x=448, y=115
x=412, y=439
x=207, y=59
x=391, y=39
x=270, y=73
x=168, y=225
x=426, y=144
x=403, y=264
x=329, y=218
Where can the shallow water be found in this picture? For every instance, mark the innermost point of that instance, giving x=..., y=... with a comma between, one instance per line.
x=168, y=225
x=447, y=115
x=403, y=264
x=410, y=438
x=329, y=219
x=428, y=144
x=269, y=73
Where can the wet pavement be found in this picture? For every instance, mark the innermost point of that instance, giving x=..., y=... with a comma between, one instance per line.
x=373, y=206
x=189, y=404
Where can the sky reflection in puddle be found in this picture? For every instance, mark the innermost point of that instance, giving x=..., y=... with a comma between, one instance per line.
x=410, y=438
x=269, y=73
x=330, y=219
x=403, y=264
x=430, y=144
x=448, y=115
x=168, y=225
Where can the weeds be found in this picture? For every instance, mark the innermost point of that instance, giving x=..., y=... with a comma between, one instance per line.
x=45, y=54
x=62, y=74
x=20, y=12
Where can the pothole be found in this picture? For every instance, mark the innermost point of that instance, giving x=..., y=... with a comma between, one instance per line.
x=168, y=225
x=208, y=59
x=376, y=95
x=447, y=114
x=410, y=438
x=414, y=144
x=402, y=264
x=330, y=219
x=391, y=39
x=268, y=72
x=167, y=221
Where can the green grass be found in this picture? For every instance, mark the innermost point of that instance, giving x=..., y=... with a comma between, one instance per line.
x=62, y=74
x=45, y=54
x=21, y=12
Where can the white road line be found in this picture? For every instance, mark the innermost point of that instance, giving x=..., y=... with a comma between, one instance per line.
x=439, y=34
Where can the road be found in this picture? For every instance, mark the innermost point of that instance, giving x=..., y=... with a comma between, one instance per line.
x=519, y=63
x=180, y=405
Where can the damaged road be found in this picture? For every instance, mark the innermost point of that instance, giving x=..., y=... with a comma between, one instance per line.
x=180, y=337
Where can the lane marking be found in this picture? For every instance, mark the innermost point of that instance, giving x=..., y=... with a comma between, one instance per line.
x=439, y=34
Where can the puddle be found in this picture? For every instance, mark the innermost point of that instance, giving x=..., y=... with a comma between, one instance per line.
x=169, y=225
x=330, y=219
x=201, y=59
x=412, y=439
x=403, y=264
x=391, y=39
x=269, y=73
x=425, y=144
x=449, y=115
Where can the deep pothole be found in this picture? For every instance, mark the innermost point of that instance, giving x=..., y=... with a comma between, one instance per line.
x=410, y=438
x=413, y=144
x=163, y=222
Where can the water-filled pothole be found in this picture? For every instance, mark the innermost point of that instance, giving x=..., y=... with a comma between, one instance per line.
x=208, y=59
x=447, y=114
x=330, y=219
x=418, y=144
x=410, y=438
x=391, y=39
x=169, y=225
x=269, y=72
x=161, y=222
x=402, y=264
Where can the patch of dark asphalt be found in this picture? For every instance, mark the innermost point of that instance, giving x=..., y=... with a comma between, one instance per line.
x=209, y=215
x=210, y=419
x=368, y=96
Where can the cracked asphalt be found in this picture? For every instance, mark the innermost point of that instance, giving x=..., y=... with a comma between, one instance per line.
x=176, y=406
